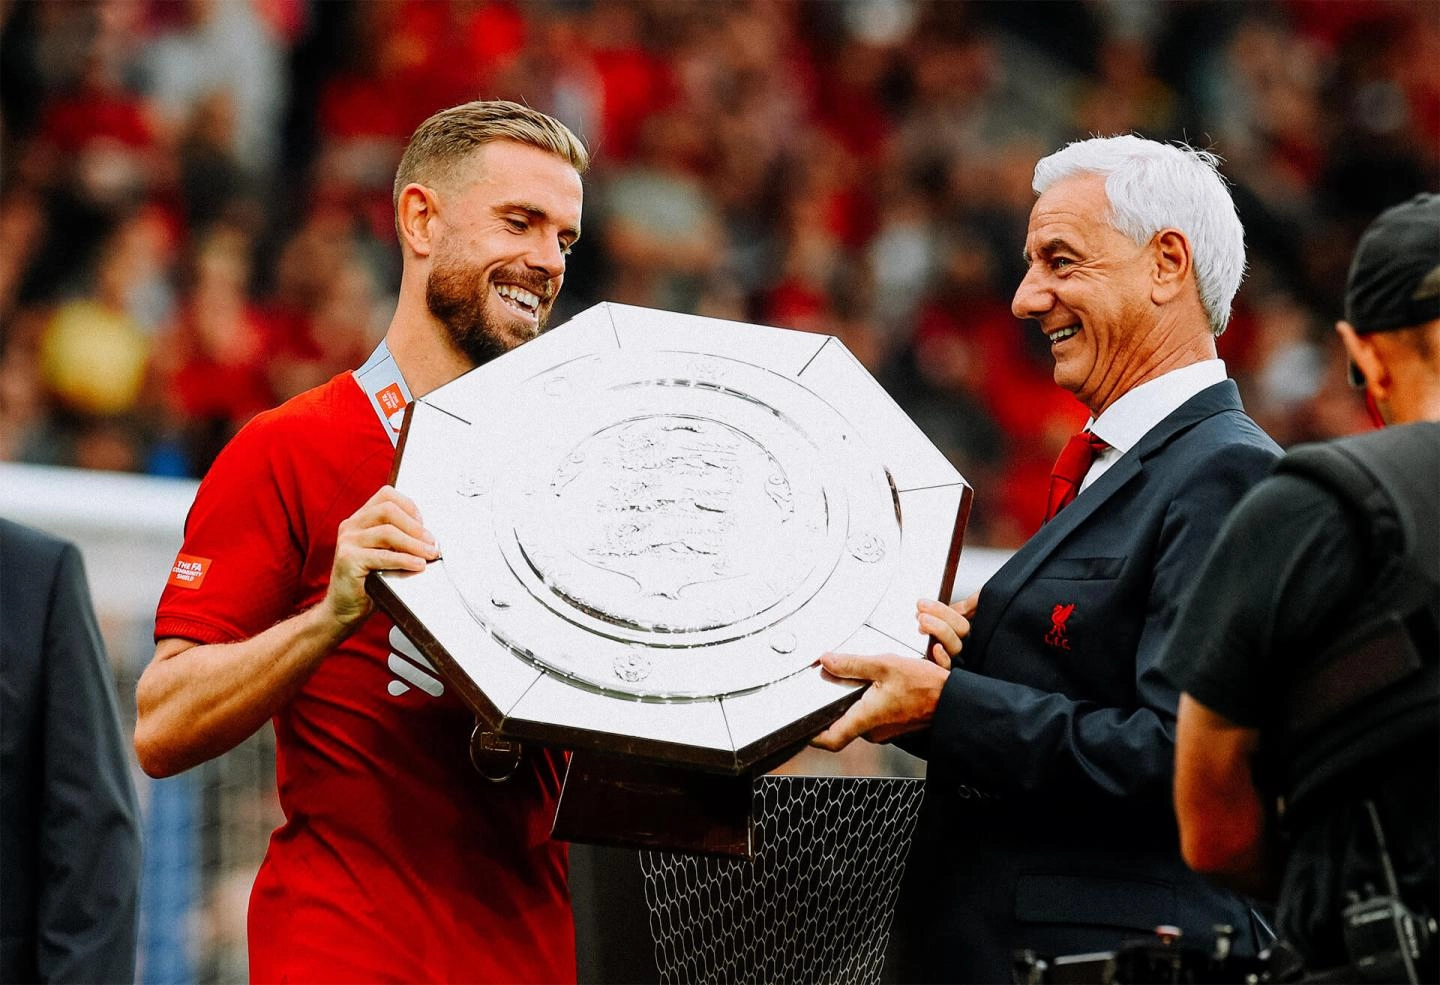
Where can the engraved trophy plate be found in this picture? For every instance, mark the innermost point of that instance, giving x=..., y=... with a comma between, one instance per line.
x=653, y=524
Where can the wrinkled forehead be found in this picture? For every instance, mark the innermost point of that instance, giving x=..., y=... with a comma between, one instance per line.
x=1077, y=199
x=1075, y=209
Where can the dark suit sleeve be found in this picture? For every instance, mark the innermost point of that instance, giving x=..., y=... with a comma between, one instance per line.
x=89, y=867
x=1009, y=738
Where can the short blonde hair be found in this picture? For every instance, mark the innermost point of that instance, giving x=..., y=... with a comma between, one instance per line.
x=440, y=144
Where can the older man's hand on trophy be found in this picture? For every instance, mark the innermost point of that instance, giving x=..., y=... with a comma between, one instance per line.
x=901, y=697
x=946, y=625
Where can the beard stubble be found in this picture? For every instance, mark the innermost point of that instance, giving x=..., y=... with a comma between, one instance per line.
x=457, y=296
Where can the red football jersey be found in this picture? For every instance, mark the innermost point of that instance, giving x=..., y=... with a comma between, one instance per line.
x=396, y=861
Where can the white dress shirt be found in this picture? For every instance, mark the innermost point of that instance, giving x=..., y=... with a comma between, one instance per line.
x=1131, y=417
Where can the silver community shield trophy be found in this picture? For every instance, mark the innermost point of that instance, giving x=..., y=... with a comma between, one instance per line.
x=651, y=525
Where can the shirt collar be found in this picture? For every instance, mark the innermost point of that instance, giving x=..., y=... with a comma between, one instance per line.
x=1127, y=420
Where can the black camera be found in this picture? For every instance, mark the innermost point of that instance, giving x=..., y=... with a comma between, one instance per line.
x=1385, y=939
x=1163, y=958
x=1386, y=942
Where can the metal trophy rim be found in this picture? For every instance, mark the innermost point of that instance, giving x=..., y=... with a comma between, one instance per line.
x=925, y=499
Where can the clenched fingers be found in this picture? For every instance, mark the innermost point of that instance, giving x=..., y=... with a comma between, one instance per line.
x=386, y=534
x=946, y=625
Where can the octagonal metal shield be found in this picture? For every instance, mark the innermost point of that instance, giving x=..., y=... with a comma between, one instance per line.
x=652, y=524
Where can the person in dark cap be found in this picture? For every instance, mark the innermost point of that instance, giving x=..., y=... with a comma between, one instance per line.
x=1308, y=739
x=1392, y=301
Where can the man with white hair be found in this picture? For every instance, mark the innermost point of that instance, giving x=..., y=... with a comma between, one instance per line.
x=1047, y=822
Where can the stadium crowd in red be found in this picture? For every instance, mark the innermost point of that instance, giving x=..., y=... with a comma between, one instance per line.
x=196, y=221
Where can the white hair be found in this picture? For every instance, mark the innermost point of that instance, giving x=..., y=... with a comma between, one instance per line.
x=1153, y=186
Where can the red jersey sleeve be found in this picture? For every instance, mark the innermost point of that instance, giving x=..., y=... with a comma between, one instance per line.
x=239, y=571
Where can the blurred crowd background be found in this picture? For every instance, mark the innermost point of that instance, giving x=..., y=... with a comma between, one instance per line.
x=195, y=224
x=195, y=217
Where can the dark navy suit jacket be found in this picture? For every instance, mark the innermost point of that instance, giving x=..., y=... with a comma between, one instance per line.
x=1047, y=820
x=69, y=823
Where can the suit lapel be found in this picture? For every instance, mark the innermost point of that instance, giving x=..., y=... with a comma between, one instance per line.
x=1015, y=574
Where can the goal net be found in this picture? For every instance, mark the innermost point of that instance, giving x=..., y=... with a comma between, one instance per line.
x=814, y=905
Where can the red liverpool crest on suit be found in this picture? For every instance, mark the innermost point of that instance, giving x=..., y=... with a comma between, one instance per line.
x=1058, y=617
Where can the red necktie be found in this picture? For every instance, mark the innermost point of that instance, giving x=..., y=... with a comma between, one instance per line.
x=1070, y=468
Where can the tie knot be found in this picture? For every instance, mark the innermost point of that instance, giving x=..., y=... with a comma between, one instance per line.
x=1092, y=439
x=1079, y=453
x=1075, y=460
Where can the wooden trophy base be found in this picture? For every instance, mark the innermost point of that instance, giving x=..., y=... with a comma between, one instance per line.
x=609, y=800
